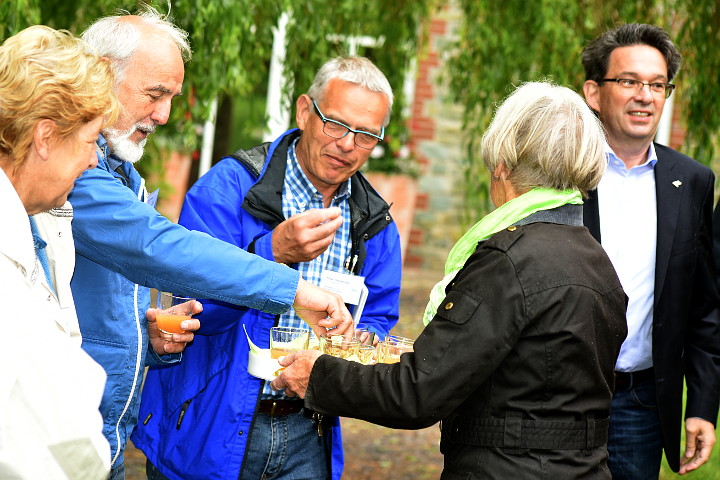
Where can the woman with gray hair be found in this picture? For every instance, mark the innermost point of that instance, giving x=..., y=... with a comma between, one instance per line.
x=523, y=332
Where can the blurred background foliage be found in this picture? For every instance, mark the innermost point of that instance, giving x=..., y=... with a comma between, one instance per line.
x=232, y=44
x=504, y=45
x=498, y=45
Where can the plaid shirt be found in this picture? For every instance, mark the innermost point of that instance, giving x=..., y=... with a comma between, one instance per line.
x=298, y=196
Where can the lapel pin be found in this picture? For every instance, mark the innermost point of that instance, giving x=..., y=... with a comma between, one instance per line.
x=677, y=183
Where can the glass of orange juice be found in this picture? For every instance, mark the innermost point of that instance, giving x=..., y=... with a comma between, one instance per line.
x=286, y=340
x=173, y=310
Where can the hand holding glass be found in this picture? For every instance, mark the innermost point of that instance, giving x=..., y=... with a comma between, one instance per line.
x=174, y=310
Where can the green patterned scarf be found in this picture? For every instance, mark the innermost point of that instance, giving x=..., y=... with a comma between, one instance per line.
x=502, y=217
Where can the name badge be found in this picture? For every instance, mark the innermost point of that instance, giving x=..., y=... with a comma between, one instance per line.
x=351, y=289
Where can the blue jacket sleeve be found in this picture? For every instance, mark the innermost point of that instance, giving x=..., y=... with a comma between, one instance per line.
x=153, y=359
x=383, y=272
x=214, y=206
x=115, y=229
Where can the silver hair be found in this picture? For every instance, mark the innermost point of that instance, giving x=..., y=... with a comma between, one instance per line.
x=118, y=40
x=546, y=136
x=358, y=70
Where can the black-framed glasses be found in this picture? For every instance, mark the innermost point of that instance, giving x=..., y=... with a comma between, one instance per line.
x=658, y=88
x=335, y=129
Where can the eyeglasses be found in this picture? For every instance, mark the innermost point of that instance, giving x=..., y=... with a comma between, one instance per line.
x=657, y=88
x=335, y=129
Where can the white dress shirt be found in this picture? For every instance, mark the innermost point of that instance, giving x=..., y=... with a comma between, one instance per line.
x=628, y=232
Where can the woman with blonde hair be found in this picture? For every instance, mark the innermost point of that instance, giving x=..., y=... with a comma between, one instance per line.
x=517, y=357
x=55, y=95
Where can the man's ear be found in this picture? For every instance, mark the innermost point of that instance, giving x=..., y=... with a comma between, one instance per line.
x=302, y=111
x=591, y=90
x=43, y=137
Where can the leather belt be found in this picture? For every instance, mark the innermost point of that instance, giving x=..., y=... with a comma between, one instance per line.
x=628, y=380
x=280, y=407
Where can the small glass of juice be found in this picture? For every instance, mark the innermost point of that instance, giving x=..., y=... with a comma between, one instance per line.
x=173, y=310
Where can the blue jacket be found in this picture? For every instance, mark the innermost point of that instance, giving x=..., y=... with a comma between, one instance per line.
x=124, y=246
x=197, y=414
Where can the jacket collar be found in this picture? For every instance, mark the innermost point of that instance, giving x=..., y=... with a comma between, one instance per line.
x=264, y=199
x=18, y=245
x=670, y=196
x=106, y=155
x=119, y=168
x=563, y=215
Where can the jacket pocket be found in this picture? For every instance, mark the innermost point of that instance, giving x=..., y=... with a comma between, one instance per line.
x=194, y=379
x=439, y=336
x=458, y=307
x=113, y=357
x=118, y=362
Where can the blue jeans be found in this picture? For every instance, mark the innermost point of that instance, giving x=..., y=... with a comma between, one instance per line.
x=635, y=437
x=285, y=447
x=117, y=472
x=281, y=447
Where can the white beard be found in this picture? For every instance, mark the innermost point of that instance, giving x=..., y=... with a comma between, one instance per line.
x=123, y=147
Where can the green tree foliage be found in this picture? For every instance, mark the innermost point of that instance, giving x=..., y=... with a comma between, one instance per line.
x=232, y=42
x=502, y=44
x=699, y=39
x=396, y=25
x=16, y=15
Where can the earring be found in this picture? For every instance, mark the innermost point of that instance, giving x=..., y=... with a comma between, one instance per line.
x=494, y=178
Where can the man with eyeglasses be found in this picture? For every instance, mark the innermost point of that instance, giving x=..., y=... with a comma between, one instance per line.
x=208, y=416
x=652, y=214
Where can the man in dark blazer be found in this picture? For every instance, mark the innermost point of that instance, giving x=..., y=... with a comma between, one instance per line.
x=652, y=212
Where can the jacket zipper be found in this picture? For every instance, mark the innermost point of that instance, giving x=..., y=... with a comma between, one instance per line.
x=135, y=379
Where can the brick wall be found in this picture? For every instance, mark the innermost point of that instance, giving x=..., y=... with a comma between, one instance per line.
x=677, y=130
x=436, y=127
x=438, y=144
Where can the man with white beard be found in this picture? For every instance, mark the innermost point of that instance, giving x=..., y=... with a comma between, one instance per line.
x=125, y=246
x=125, y=148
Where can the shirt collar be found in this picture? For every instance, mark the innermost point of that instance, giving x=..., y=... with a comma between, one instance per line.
x=37, y=239
x=651, y=156
x=104, y=152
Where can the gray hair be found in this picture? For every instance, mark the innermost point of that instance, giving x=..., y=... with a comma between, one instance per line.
x=117, y=39
x=358, y=70
x=596, y=55
x=546, y=136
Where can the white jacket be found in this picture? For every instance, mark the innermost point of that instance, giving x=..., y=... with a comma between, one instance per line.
x=50, y=389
